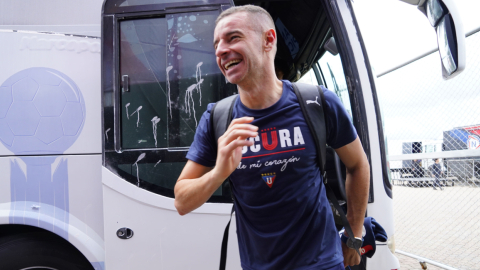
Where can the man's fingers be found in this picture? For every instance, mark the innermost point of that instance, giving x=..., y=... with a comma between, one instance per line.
x=247, y=127
x=350, y=256
x=241, y=120
x=241, y=123
x=243, y=134
x=236, y=134
x=239, y=127
x=230, y=147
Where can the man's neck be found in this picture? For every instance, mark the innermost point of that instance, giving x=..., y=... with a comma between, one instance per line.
x=261, y=94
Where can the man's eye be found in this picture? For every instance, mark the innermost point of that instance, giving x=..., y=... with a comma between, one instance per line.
x=234, y=37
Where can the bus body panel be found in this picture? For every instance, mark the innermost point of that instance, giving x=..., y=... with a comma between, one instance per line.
x=51, y=91
x=162, y=238
x=50, y=150
x=53, y=16
x=62, y=196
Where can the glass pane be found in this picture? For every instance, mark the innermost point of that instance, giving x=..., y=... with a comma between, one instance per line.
x=446, y=44
x=434, y=11
x=127, y=3
x=143, y=97
x=309, y=78
x=159, y=174
x=332, y=71
x=193, y=76
x=168, y=75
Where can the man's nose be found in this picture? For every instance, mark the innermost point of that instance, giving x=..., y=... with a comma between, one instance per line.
x=221, y=49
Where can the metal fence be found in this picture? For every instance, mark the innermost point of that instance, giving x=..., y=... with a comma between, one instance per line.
x=437, y=207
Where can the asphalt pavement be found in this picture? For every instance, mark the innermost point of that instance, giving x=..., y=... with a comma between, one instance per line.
x=409, y=263
x=439, y=225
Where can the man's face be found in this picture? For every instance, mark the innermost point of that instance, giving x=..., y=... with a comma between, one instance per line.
x=238, y=48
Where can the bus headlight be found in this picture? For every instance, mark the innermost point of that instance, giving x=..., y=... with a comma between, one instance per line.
x=391, y=243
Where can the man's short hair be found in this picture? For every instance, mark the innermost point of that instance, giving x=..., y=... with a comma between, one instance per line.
x=250, y=10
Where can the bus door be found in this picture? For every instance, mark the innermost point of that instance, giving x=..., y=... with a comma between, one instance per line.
x=350, y=76
x=159, y=74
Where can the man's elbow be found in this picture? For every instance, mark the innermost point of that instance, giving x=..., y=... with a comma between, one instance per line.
x=180, y=208
x=178, y=203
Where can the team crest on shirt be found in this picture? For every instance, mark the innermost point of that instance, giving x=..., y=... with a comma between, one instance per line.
x=269, y=178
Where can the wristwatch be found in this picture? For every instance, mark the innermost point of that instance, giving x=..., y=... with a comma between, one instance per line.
x=354, y=243
x=351, y=242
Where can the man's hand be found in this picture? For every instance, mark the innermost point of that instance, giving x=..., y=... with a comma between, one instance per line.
x=196, y=183
x=350, y=256
x=230, y=146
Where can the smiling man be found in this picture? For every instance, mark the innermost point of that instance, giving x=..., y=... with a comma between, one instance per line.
x=284, y=220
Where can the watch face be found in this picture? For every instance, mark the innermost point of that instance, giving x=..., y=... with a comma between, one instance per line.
x=354, y=243
x=357, y=243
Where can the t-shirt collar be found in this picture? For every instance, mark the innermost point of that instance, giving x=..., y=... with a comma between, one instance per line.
x=279, y=104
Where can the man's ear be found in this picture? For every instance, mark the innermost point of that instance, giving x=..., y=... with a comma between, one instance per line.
x=269, y=39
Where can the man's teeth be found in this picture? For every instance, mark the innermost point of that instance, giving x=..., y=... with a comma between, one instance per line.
x=231, y=63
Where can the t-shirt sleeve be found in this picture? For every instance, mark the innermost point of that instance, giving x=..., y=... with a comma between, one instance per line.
x=340, y=130
x=204, y=147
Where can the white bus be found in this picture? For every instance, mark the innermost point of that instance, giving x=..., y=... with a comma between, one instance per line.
x=98, y=106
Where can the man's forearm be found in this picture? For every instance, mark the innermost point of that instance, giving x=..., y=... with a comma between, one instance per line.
x=357, y=186
x=193, y=193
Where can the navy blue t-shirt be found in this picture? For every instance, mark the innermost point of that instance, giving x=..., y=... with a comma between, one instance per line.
x=284, y=220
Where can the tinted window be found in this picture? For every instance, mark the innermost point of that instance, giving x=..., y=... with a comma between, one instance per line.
x=334, y=78
x=330, y=71
x=167, y=76
x=143, y=83
x=125, y=3
x=192, y=72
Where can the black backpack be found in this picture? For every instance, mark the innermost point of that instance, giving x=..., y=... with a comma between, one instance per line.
x=312, y=102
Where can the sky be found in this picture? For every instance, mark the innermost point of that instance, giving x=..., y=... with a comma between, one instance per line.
x=395, y=32
x=417, y=104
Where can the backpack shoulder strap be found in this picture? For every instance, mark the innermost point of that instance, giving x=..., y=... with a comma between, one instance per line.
x=312, y=102
x=221, y=115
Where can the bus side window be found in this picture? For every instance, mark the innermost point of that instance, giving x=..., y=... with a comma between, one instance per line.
x=193, y=77
x=167, y=76
x=328, y=71
x=143, y=83
x=330, y=67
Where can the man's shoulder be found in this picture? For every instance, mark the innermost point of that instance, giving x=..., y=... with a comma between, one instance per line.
x=207, y=113
x=205, y=122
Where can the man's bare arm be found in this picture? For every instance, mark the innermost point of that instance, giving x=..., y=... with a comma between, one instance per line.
x=197, y=183
x=356, y=188
x=194, y=187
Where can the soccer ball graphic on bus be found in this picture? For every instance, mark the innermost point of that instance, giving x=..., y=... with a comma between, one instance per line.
x=42, y=111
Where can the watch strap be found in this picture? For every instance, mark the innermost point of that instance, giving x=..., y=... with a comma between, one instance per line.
x=344, y=239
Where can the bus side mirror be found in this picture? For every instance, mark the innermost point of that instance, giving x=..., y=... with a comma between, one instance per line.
x=445, y=18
